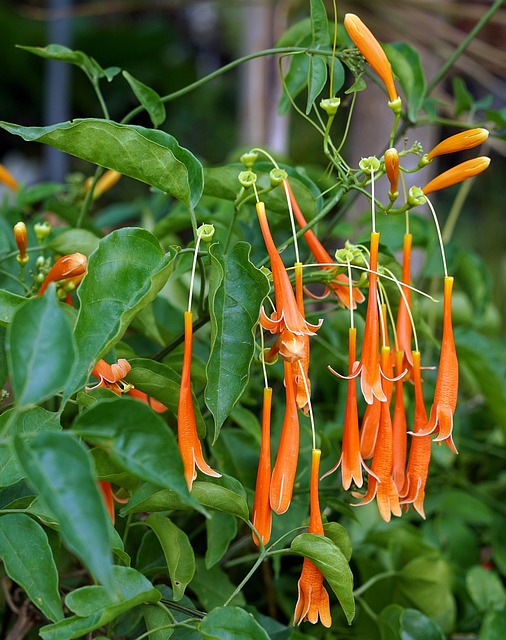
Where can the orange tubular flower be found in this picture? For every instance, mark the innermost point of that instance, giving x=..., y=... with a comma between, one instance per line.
x=21, y=238
x=392, y=170
x=313, y=599
x=413, y=491
x=111, y=377
x=287, y=314
x=403, y=326
x=70, y=266
x=300, y=367
x=399, y=426
x=104, y=183
x=8, y=179
x=461, y=172
x=351, y=458
x=459, y=142
x=371, y=49
x=447, y=381
x=340, y=284
x=285, y=467
x=262, y=514
x=106, y=491
x=188, y=439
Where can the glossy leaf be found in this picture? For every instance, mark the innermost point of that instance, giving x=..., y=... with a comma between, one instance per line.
x=332, y=563
x=139, y=441
x=74, y=240
x=89, y=65
x=59, y=469
x=148, y=98
x=407, y=67
x=124, y=274
x=319, y=25
x=177, y=550
x=317, y=77
x=24, y=424
x=485, y=588
x=294, y=81
x=416, y=626
x=236, y=291
x=94, y=607
x=231, y=623
x=221, y=530
x=40, y=349
x=339, y=536
x=28, y=561
x=9, y=303
x=155, y=619
x=148, y=155
x=215, y=496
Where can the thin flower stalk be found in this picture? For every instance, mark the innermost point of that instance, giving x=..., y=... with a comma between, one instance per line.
x=313, y=599
x=462, y=171
x=285, y=467
x=447, y=381
x=413, y=491
x=459, y=142
x=339, y=285
x=73, y=265
x=262, y=513
x=189, y=444
x=371, y=49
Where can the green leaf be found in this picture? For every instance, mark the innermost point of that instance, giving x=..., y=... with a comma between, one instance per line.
x=138, y=440
x=28, y=560
x=148, y=98
x=218, y=497
x=213, y=587
x=407, y=67
x=156, y=617
x=236, y=291
x=24, y=424
x=124, y=274
x=94, y=607
x=485, y=588
x=40, y=349
x=177, y=550
x=416, y=626
x=231, y=623
x=316, y=79
x=463, y=97
x=294, y=81
x=221, y=530
x=74, y=240
x=319, y=25
x=59, y=52
x=332, y=563
x=339, y=75
x=9, y=303
x=59, y=468
x=494, y=626
x=339, y=536
x=148, y=155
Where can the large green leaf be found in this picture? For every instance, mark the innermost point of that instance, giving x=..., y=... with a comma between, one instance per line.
x=494, y=626
x=231, y=623
x=29, y=561
x=332, y=563
x=148, y=155
x=94, y=607
x=221, y=529
x=156, y=618
x=74, y=240
x=407, y=67
x=236, y=291
x=139, y=441
x=40, y=349
x=59, y=468
x=124, y=274
x=9, y=302
x=485, y=588
x=23, y=424
x=177, y=550
x=416, y=626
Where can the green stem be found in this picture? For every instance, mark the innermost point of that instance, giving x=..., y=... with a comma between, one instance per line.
x=89, y=197
x=101, y=100
x=237, y=590
x=484, y=20
x=377, y=578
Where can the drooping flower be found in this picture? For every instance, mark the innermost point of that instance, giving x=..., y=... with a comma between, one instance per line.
x=73, y=265
x=459, y=142
x=287, y=314
x=285, y=467
x=351, y=460
x=371, y=49
x=413, y=491
x=189, y=444
x=111, y=376
x=456, y=174
x=262, y=513
x=313, y=599
x=340, y=284
x=391, y=159
x=447, y=381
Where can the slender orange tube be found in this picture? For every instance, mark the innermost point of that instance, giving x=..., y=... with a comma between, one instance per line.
x=262, y=514
x=461, y=172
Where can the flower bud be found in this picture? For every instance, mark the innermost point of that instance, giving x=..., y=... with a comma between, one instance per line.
x=330, y=105
x=457, y=174
x=392, y=170
x=369, y=165
x=8, y=179
x=21, y=237
x=106, y=182
x=371, y=49
x=73, y=265
x=42, y=230
x=277, y=176
x=459, y=142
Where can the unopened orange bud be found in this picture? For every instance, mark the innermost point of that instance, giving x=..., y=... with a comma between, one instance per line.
x=104, y=183
x=392, y=170
x=8, y=179
x=457, y=174
x=371, y=49
x=71, y=266
x=459, y=142
x=21, y=238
